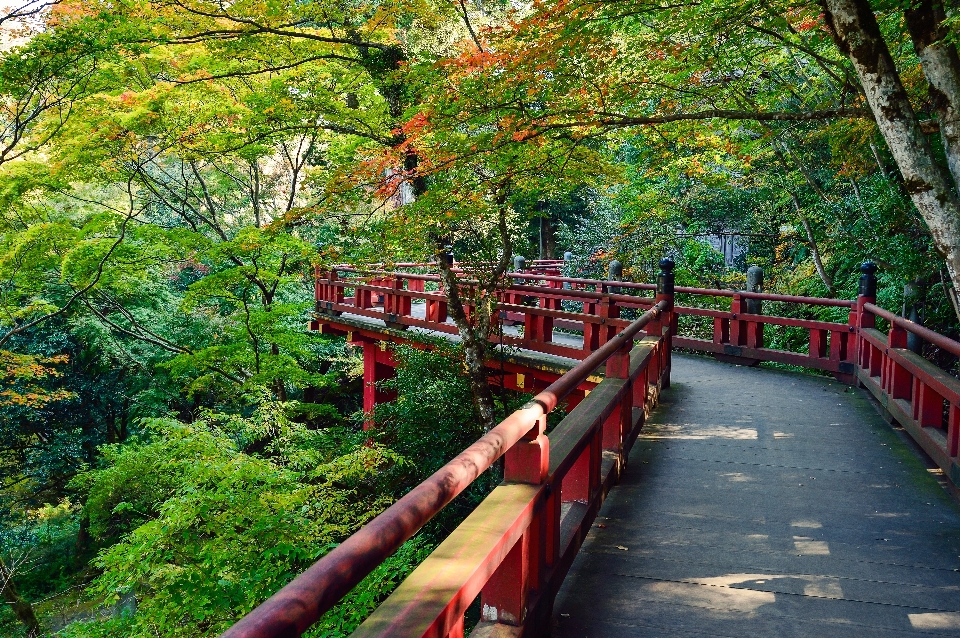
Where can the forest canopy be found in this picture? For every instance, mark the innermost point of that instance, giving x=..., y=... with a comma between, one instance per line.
x=174, y=172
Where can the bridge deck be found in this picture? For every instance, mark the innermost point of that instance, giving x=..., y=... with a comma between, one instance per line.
x=759, y=503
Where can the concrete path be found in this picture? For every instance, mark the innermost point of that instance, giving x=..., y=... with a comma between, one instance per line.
x=760, y=503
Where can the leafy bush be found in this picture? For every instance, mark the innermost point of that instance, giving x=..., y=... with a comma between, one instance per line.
x=201, y=531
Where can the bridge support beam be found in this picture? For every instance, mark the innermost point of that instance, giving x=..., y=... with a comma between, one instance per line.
x=378, y=365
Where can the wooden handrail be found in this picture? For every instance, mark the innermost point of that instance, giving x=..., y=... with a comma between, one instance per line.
x=914, y=391
x=946, y=343
x=299, y=604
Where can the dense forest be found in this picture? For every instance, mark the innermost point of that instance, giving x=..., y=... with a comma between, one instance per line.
x=175, y=444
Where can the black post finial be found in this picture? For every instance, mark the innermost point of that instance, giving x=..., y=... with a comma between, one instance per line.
x=615, y=273
x=868, y=280
x=754, y=284
x=665, y=278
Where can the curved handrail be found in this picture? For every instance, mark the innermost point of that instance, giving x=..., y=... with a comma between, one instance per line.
x=926, y=334
x=764, y=296
x=300, y=603
x=612, y=283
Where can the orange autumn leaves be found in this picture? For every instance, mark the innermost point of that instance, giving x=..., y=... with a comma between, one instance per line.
x=21, y=376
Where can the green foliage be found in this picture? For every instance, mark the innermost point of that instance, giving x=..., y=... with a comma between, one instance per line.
x=346, y=616
x=42, y=540
x=433, y=419
x=171, y=173
x=201, y=531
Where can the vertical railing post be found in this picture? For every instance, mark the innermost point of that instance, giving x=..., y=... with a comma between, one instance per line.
x=396, y=305
x=326, y=292
x=618, y=423
x=319, y=289
x=519, y=265
x=898, y=381
x=866, y=293
x=913, y=293
x=567, y=258
x=437, y=308
x=754, y=307
x=665, y=281
x=504, y=596
x=615, y=273
x=610, y=308
x=605, y=309
x=737, y=332
x=335, y=292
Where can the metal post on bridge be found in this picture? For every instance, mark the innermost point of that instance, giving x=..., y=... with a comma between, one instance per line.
x=615, y=273
x=519, y=265
x=754, y=284
x=913, y=293
x=567, y=258
x=866, y=293
x=754, y=307
x=665, y=284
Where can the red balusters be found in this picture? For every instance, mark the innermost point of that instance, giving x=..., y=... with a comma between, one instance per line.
x=928, y=405
x=436, y=310
x=953, y=431
x=737, y=329
x=897, y=378
x=617, y=425
x=818, y=343
x=504, y=597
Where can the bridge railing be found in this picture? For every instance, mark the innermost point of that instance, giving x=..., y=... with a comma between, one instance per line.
x=924, y=399
x=543, y=303
x=390, y=296
x=515, y=548
x=738, y=332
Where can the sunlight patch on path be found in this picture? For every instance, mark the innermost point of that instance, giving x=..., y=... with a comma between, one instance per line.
x=940, y=620
x=697, y=431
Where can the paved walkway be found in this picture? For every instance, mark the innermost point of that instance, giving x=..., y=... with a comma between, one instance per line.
x=759, y=503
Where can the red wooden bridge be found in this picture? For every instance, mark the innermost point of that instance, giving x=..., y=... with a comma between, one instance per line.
x=758, y=502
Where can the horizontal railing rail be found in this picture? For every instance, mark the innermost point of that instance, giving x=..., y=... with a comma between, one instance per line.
x=389, y=295
x=594, y=308
x=298, y=605
x=924, y=399
x=926, y=334
x=515, y=548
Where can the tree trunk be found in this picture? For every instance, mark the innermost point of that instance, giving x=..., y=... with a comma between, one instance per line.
x=21, y=608
x=548, y=240
x=82, y=543
x=474, y=334
x=475, y=330
x=817, y=261
x=855, y=30
x=941, y=66
x=814, y=248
